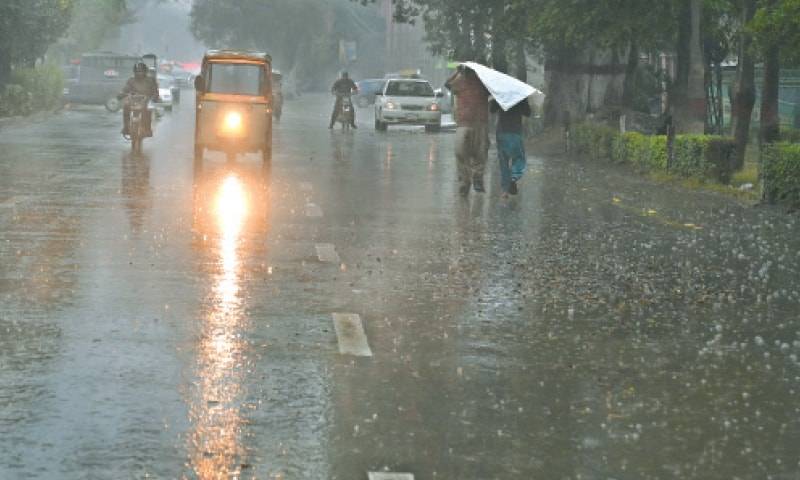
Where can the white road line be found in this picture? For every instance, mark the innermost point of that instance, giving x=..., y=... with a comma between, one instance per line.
x=313, y=210
x=326, y=252
x=351, y=337
x=390, y=476
x=306, y=186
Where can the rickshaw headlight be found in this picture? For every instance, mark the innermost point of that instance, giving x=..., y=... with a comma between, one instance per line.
x=232, y=122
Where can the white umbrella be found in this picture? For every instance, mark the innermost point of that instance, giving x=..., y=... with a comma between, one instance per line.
x=506, y=90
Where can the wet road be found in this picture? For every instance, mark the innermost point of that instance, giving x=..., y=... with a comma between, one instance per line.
x=159, y=320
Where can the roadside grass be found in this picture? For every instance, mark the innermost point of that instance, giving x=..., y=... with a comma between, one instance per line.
x=551, y=143
x=738, y=187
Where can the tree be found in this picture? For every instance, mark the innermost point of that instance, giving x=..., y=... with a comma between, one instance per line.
x=744, y=96
x=92, y=23
x=302, y=35
x=591, y=47
x=27, y=29
x=776, y=24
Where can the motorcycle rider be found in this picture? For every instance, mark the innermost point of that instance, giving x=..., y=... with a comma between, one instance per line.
x=341, y=88
x=140, y=84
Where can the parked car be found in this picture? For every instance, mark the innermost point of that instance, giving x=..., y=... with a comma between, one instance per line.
x=101, y=76
x=408, y=102
x=367, y=89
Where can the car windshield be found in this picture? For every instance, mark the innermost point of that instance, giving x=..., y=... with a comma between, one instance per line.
x=409, y=89
x=237, y=79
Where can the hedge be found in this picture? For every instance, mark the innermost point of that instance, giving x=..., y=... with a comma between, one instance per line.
x=32, y=90
x=594, y=140
x=699, y=156
x=780, y=173
x=647, y=152
x=791, y=135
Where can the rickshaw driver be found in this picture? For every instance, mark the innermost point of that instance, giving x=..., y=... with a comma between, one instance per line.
x=140, y=84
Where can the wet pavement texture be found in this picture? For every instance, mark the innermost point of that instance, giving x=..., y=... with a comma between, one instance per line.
x=160, y=319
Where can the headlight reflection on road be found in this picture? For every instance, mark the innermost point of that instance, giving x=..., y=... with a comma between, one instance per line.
x=230, y=210
x=216, y=443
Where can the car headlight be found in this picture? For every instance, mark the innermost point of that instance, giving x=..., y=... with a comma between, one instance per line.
x=391, y=106
x=434, y=107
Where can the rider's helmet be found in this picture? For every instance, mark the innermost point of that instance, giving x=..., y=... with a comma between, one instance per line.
x=345, y=74
x=140, y=69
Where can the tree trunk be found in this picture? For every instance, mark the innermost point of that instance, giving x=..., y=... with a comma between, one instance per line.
x=5, y=69
x=695, y=115
x=744, y=95
x=770, y=120
x=479, y=27
x=581, y=81
x=499, y=59
x=629, y=85
x=521, y=61
x=720, y=105
x=683, y=52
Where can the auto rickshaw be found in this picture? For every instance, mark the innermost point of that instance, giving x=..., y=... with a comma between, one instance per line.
x=233, y=112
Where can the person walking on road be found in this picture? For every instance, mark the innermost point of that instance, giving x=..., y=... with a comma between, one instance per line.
x=510, y=145
x=472, y=132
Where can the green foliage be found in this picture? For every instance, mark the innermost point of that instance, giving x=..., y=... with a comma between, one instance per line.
x=93, y=22
x=790, y=135
x=647, y=152
x=705, y=156
x=594, y=141
x=777, y=22
x=694, y=156
x=780, y=173
x=28, y=28
x=32, y=90
x=568, y=24
x=15, y=100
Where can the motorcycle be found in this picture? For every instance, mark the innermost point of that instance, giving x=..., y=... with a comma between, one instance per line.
x=136, y=130
x=345, y=116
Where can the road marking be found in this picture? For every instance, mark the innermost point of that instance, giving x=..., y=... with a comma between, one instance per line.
x=313, y=210
x=352, y=339
x=389, y=476
x=306, y=186
x=326, y=252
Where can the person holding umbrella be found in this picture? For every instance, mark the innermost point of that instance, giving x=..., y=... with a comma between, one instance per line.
x=510, y=145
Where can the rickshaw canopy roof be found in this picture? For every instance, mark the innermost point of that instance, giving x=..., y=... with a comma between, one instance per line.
x=238, y=55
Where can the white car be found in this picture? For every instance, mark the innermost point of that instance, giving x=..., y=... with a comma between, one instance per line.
x=166, y=90
x=406, y=101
